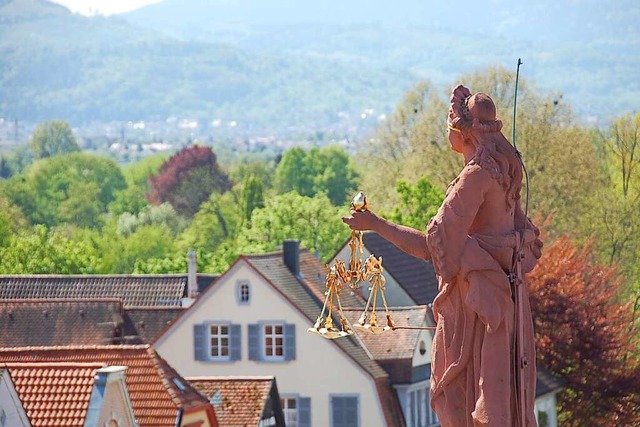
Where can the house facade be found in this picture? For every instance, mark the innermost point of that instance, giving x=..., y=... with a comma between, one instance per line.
x=253, y=321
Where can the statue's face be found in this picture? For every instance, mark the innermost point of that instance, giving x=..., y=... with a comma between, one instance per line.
x=456, y=140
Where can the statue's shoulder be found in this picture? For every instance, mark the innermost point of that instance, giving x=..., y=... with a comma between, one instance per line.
x=473, y=176
x=476, y=170
x=485, y=165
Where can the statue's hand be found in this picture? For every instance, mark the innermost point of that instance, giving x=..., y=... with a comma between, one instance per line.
x=360, y=220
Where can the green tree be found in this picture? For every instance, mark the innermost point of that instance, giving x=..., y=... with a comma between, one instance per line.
x=66, y=188
x=615, y=217
x=41, y=251
x=418, y=203
x=11, y=220
x=293, y=174
x=121, y=253
x=559, y=153
x=333, y=173
x=252, y=196
x=53, y=138
x=410, y=144
x=313, y=221
x=217, y=220
x=327, y=170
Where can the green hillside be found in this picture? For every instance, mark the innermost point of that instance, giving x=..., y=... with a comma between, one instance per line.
x=57, y=64
x=270, y=73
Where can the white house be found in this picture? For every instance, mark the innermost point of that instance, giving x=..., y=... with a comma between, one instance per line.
x=253, y=322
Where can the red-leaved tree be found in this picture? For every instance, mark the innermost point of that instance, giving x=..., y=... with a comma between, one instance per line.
x=586, y=336
x=187, y=179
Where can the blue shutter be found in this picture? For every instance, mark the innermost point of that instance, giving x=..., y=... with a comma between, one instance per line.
x=289, y=341
x=344, y=411
x=254, y=342
x=304, y=412
x=200, y=342
x=234, y=342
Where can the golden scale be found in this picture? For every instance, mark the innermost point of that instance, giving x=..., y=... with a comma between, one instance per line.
x=339, y=275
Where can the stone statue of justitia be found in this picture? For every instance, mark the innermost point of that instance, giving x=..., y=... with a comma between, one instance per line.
x=473, y=242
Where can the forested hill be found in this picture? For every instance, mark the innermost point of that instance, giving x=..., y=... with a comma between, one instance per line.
x=588, y=50
x=55, y=64
x=273, y=65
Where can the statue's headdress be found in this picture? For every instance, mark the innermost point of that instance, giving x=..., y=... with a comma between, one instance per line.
x=472, y=111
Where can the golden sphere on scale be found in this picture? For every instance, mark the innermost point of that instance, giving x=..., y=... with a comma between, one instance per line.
x=359, y=202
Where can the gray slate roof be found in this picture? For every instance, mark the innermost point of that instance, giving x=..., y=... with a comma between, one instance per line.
x=416, y=276
x=164, y=290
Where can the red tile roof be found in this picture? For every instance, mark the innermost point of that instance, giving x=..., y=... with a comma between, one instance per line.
x=155, y=388
x=28, y=322
x=54, y=394
x=238, y=401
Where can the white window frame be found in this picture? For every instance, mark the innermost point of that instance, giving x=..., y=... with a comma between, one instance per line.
x=290, y=414
x=219, y=336
x=416, y=405
x=274, y=337
x=243, y=298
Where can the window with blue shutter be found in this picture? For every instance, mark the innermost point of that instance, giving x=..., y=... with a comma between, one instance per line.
x=304, y=412
x=217, y=342
x=296, y=410
x=289, y=341
x=254, y=342
x=345, y=411
x=272, y=341
x=200, y=342
x=235, y=342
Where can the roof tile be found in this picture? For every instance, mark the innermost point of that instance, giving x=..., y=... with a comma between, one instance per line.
x=241, y=399
x=164, y=290
x=154, y=396
x=42, y=403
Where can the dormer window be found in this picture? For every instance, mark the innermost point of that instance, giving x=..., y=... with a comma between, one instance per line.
x=243, y=293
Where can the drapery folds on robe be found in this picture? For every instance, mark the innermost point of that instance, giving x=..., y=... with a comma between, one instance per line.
x=473, y=373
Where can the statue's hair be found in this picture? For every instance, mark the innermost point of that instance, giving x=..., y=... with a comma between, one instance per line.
x=475, y=116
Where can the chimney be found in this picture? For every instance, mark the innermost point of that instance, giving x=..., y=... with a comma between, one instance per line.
x=290, y=255
x=192, y=279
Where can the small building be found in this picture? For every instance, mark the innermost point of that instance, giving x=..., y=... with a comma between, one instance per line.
x=69, y=394
x=158, y=395
x=246, y=401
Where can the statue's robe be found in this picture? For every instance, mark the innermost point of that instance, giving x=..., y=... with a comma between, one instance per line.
x=473, y=381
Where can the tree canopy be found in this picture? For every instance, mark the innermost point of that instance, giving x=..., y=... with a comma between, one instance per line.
x=187, y=179
x=52, y=138
x=586, y=336
x=327, y=170
x=74, y=188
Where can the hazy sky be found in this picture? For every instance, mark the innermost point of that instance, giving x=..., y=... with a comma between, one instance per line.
x=105, y=7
